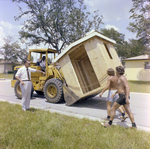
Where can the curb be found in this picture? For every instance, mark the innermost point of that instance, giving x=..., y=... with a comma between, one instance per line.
x=139, y=93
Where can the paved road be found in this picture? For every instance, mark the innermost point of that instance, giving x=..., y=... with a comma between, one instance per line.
x=94, y=108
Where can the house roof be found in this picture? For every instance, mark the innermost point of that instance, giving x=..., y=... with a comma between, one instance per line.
x=9, y=62
x=87, y=36
x=141, y=57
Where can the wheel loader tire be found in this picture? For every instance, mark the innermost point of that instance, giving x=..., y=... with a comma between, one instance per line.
x=17, y=90
x=53, y=91
x=39, y=92
x=32, y=91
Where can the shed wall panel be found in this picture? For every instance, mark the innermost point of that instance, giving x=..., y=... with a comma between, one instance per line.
x=70, y=76
x=115, y=61
x=94, y=48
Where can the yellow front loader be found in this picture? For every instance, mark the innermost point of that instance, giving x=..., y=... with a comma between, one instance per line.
x=51, y=85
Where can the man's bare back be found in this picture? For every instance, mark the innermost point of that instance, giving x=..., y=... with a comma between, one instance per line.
x=113, y=82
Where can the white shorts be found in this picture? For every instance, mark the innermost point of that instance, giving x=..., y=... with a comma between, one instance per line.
x=110, y=93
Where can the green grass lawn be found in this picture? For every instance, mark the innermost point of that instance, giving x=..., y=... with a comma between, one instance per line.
x=6, y=76
x=139, y=86
x=38, y=129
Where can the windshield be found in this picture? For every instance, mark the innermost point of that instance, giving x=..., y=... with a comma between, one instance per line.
x=35, y=57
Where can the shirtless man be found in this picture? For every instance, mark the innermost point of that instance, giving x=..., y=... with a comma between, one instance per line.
x=123, y=90
x=111, y=85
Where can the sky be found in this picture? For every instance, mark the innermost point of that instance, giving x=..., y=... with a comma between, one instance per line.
x=115, y=12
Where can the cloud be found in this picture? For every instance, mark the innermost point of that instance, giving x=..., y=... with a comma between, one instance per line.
x=111, y=26
x=2, y=35
x=7, y=25
x=8, y=29
x=111, y=10
x=115, y=14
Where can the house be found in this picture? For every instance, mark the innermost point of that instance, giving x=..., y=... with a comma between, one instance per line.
x=138, y=68
x=85, y=63
x=9, y=66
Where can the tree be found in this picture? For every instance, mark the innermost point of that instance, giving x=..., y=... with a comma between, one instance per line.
x=125, y=49
x=56, y=22
x=118, y=37
x=141, y=25
x=11, y=51
x=135, y=48
x=131, y=48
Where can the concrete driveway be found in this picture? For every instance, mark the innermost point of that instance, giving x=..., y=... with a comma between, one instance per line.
x=93, y=109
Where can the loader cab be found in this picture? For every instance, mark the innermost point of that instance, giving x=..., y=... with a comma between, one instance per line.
x=35, y=55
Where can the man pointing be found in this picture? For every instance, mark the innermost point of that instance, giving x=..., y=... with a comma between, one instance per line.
x=24, y=76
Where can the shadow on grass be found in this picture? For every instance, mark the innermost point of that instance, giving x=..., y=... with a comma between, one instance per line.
x=32, y=110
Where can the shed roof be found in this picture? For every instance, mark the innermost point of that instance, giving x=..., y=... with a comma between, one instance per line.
x=87, y=36
x=140, y=57
x=44, y=50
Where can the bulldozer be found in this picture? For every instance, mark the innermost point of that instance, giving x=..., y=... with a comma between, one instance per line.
x=51, y=85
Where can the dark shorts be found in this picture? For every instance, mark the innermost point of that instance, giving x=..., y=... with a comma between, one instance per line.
x=122, y=99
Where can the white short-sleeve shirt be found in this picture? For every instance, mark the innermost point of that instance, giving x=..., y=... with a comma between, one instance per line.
x=42, y=63
x=22, y=73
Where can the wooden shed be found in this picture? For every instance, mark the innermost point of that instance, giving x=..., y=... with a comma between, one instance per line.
x=84, y=64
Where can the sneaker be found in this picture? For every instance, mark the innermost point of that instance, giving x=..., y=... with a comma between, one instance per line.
x=123, y=118
x=106, y=125
x=105, y=119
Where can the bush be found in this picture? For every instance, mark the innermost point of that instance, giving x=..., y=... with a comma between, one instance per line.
x=10, y=72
